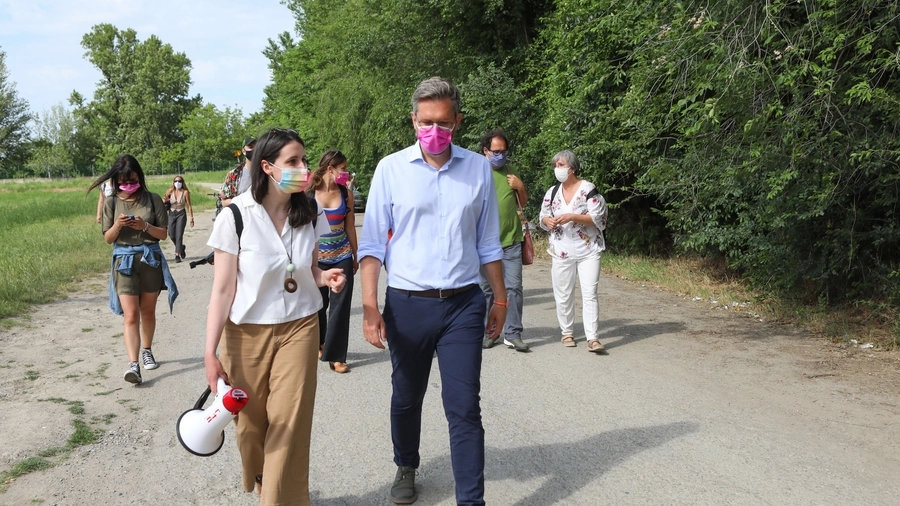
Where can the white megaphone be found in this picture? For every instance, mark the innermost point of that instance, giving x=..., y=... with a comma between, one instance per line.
x=202, y=431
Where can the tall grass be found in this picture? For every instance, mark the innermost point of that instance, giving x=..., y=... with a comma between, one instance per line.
x=50, y=240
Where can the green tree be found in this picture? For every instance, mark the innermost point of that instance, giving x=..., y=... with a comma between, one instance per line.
x=53, y=155
x=210, y=135
x=347, y=82
x=14, y=118
x=141, y=97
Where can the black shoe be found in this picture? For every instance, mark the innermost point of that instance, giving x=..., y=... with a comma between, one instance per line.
x=177, y=259
x=404, y=489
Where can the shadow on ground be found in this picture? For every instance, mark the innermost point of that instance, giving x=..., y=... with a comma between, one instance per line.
x=562, y=469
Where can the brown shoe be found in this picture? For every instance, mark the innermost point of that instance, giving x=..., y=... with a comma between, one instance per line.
x=568, y=341
x=339, y=367
x=594, y=346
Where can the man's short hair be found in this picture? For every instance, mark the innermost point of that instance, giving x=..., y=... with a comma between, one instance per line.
x=436, y=88
x=489, y=137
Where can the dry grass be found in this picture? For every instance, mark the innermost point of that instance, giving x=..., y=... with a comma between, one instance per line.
x=712, y=281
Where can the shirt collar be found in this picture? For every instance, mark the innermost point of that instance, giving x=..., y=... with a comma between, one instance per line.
x=414, y=153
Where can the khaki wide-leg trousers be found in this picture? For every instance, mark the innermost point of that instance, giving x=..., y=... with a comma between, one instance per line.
x=276, y=365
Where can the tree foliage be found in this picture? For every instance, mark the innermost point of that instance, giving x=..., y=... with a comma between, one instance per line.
x=141, y=97
x=53, y=134
x=210, y=135
x=14, y=118
x=761, y=132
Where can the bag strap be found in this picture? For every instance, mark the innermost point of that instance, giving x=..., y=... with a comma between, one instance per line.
x=556, y=189
x=238, y=222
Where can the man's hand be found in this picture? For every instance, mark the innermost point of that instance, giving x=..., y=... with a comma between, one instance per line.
x=514, y=182
x=496, y=319
x=373, y=327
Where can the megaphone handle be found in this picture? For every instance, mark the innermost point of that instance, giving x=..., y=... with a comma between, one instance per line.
x=202, y=400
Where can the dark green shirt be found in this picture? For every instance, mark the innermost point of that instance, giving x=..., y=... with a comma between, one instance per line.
x=510, y=225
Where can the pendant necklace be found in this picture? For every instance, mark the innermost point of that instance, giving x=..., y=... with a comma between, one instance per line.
x=289, y=284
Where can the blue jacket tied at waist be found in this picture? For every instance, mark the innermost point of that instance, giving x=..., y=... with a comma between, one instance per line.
x=149, y=257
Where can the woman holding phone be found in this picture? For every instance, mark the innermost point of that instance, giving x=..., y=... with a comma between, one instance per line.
x=134, y=221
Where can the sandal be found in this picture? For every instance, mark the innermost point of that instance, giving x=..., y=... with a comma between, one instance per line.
x=568, y=341
x=594, y=346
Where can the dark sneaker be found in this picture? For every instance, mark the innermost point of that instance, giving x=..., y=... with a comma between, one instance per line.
x=516, y=343
x=147, y=359
x=177, y=259
x=488, y=343
x=133, y=374
x=404, y=489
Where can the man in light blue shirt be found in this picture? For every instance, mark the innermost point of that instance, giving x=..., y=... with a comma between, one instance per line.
x=432, y=221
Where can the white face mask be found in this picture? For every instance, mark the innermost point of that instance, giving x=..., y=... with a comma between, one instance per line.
x=178, y=185
x=561, y=173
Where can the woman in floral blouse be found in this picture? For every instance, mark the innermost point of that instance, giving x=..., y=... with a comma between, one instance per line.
x=575, y=215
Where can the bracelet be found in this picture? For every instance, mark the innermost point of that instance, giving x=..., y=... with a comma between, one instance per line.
x=502, y=304
x=146, y=226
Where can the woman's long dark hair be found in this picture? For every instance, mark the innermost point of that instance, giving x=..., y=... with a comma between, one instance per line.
x=268, y=147
x=123, y=168
x=331, y=158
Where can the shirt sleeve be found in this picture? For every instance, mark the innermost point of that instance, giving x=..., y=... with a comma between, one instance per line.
x=162, y=216
x=545, y=210
x=596, y=209
x=224, y=234
x=322, y=226
x=374, y=237
x=108, y=219
x=488, y=232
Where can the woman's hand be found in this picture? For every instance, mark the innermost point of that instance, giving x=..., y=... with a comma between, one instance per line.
x=334, y=279
x=214, y=371
x=192, y=222
x=355, y=265
x=137, y=223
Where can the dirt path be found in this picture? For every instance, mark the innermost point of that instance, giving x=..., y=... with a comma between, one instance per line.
x=693, y=405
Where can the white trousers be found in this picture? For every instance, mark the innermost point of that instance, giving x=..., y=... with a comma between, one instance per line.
x=562, y=274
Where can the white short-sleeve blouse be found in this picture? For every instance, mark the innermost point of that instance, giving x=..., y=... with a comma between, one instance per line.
x=260, y=297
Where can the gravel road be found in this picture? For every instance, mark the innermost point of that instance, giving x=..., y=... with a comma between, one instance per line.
x=696, y=404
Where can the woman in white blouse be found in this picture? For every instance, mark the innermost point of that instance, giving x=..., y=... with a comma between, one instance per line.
x=264, y=305
x=575, y=215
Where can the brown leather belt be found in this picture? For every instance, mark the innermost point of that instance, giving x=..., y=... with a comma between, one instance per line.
x=437, y=293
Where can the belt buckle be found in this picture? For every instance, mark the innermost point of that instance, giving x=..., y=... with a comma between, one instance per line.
x=441, y=293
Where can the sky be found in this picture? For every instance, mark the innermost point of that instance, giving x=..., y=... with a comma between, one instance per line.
x=224, y=40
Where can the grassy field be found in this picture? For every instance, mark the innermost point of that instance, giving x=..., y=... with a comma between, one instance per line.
x=50, y=240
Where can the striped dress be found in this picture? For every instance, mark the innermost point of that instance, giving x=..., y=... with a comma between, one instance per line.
x=335, y=246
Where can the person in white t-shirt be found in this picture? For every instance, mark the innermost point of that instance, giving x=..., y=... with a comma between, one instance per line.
x=575, y=215
x=106, y=190
x=263, y=309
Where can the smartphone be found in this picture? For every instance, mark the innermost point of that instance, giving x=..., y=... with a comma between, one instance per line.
x=130, y=216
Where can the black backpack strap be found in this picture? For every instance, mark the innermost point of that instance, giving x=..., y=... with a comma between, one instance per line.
x=315, y=209
x=553, y=195
x=238, y=222
x=591, y=194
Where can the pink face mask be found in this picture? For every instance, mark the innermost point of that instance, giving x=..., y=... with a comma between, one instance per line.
x=130, y=187
x=434, y=139
x=342, y=178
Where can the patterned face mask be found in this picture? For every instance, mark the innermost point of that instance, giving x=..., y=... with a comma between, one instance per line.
x=293, y=179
